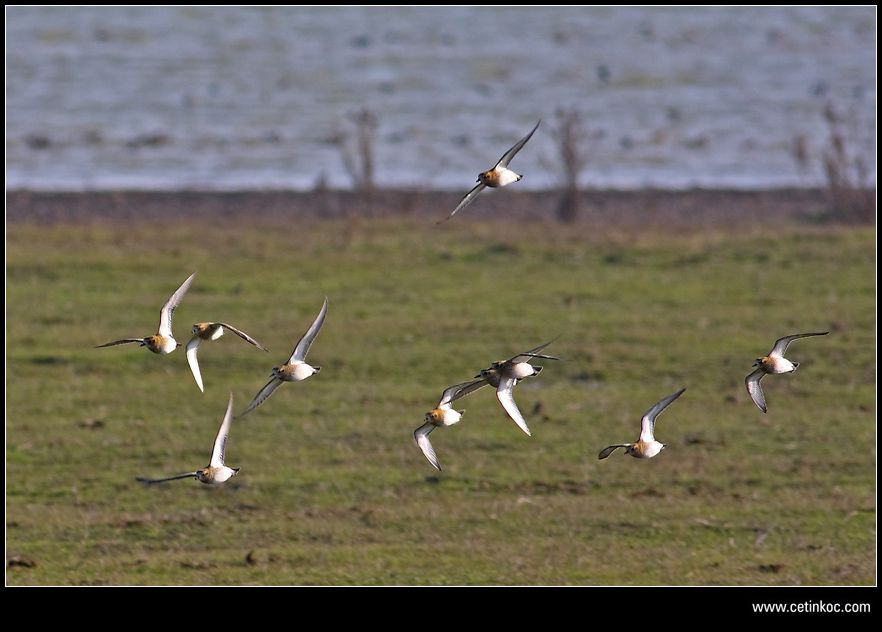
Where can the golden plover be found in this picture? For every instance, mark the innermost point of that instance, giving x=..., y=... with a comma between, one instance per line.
x=443, y=415
x=772, y=364
x=211, y=331
x=296, y=368
x=646, y=447
x=162, y=342
x=505, y=374
x=499, y=176
x=215, y=472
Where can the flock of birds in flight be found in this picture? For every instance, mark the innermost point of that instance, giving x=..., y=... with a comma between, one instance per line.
x=503, y=375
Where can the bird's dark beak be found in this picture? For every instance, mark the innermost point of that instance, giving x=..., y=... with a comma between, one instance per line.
x=317, y=368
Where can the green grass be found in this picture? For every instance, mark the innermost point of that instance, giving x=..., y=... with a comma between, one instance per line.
x=333, y=489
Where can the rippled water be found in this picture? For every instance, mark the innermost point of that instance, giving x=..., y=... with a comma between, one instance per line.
x=231, y=98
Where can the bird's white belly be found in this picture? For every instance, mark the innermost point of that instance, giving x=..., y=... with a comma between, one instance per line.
x=652, y=449
x=223, y=475
x=782, y=365
x=167, y=345
x=301, y=372
x=521, y=370
x=450, y=417
x=505, y=177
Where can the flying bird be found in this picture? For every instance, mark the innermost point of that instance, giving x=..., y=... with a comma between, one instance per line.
x=216, y=471
x=499, y=176
x=443, y=415
x=505, y=374
x=772, y=364
x=296, y=368
x=211, y=331
x=646, y=447
x=162, y=342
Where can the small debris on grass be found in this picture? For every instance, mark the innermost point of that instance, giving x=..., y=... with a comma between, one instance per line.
x=770, y=568
x=18, y=560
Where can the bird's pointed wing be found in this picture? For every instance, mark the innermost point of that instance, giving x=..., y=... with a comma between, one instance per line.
x=507, y=156
x=243, y=336
x=192, y=348
x=453, y=393
x=647, y=423
x=534, y=353
x=120, y=342
x=263, y=395
x=168, y=310
x=465, y=201
x=421, y=435
x=781, y=344
x=505, y=397
x=151, y=481
x=302, y=348
x=755, y=389
x=220, y=442
x=610, y=449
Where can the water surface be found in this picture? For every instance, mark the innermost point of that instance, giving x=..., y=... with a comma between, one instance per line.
x=232, y=98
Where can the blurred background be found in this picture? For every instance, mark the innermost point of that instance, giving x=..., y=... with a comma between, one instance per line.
x=227, y=98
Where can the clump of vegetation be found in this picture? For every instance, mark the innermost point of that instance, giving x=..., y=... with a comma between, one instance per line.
x=845, y=159
x=572, y=150
x=846, y=166
x=357, y=148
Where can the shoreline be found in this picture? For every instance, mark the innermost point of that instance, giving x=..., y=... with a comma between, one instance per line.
x=656, y=207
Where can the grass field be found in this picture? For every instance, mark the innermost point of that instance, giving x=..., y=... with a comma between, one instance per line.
x=332, y=488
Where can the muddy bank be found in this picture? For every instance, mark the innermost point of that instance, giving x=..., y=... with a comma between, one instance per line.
x=608, y=208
